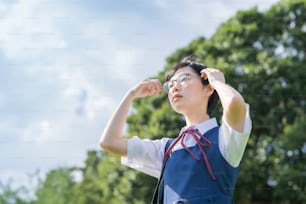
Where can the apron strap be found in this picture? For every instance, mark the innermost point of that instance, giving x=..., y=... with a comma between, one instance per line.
x=158, y=195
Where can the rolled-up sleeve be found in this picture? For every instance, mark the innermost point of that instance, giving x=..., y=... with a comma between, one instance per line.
x=145, y=155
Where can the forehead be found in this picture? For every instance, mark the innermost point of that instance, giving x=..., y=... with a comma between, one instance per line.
x=186, y=69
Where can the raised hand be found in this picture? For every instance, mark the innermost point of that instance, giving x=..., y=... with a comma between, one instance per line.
x=213, y=75
x=147, y=87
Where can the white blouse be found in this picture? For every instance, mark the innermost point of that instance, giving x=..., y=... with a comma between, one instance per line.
x=147, y=155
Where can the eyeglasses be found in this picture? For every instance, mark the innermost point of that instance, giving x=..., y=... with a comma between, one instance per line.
x=180, y=79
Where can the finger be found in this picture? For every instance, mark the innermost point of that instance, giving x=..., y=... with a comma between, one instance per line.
x=156, y=85
x=159, y=86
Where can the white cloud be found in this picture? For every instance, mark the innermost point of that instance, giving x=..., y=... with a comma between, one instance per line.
x=33, y=35
x=3, y=7
x=71, y=65
x=203, y=16
x=27, y=31
x=37, y=133
x=57, y=99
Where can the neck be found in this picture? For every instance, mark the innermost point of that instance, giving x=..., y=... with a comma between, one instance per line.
x=195, y=119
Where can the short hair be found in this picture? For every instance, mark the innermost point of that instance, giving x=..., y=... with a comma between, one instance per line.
x=190, y=61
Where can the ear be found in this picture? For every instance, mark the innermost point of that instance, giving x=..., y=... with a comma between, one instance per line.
x=209, y=90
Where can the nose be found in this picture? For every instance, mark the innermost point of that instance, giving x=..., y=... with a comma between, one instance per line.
x=175, y=87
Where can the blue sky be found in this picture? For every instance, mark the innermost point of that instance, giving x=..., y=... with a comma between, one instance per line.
x=64, y=65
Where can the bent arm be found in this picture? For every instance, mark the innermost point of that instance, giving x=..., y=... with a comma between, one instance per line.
x=234, y=107
x=112, y=138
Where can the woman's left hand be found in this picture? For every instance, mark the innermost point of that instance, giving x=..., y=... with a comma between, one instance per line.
x=212, y=75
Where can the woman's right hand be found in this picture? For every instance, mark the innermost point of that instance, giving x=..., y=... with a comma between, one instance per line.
x=112, y=139
x=147, y=87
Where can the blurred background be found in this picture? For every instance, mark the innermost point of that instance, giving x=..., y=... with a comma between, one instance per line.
x=64, y=66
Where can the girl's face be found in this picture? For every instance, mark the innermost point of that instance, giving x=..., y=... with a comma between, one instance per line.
x=186, y=92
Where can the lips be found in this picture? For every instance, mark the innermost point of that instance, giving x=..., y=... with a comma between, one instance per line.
x=176, y=96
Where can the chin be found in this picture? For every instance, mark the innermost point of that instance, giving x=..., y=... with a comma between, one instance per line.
x=179, y=109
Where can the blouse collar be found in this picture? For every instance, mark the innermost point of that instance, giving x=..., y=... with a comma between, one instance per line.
x=204, y=126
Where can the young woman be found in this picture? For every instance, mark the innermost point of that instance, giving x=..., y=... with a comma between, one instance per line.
x=200, y=165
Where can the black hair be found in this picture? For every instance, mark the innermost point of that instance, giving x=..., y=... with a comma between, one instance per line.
x=197, y=68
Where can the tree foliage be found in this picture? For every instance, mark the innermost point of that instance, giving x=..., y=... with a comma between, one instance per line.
x=9, y=195
x=262, y=55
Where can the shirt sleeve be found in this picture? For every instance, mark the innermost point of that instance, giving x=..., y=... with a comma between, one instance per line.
x=233, y=143
x=145, y=155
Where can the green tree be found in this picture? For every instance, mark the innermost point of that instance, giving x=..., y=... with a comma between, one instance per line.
x=9, y=195
x=290, y=158
x=263, y=55
x=103, y=180
x=58, y=187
